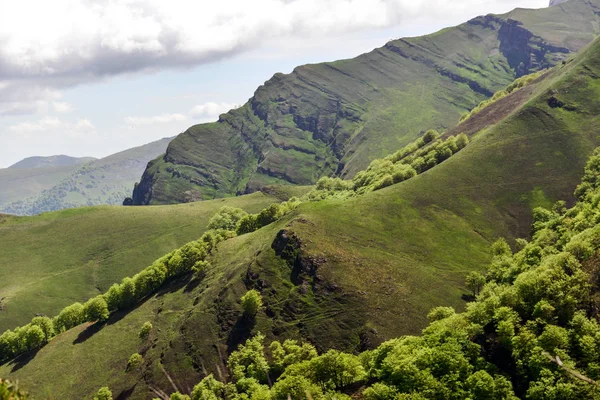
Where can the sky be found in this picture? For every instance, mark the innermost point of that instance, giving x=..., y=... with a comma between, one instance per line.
x=94, y=77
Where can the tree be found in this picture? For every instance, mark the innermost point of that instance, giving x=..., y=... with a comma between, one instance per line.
x=135, y=361
x=127, y=293
x=69, y=317
x=251, y=302
x=179, y=396
x=475, y=282
x=249, y=360
x=33, y=337
x=146, y=329
x=226, y=218
x=430, y=136
x=46, y=325
x=104, y=393
x=96, y=309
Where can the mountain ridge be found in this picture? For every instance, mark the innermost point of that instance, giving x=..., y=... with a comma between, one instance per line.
x=51, y=161
x=334, y=118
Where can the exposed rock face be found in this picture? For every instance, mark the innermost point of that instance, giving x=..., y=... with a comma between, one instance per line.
x=557, y=2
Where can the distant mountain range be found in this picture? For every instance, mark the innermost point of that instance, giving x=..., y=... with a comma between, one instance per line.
x=39, y=184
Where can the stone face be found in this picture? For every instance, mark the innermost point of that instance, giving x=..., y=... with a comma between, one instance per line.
x=557, y=2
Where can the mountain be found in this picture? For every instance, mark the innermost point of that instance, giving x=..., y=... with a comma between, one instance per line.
x=52, y=161
x=334, y=118
x=104, y=181
x=557, y=2
x=352, y=272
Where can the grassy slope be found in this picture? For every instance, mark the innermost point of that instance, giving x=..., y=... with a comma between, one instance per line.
x=54, y=259
x=383, y=259
x=105, y=181
x=338, y=116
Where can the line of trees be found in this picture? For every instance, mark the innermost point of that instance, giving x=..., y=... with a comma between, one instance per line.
x=413, y=159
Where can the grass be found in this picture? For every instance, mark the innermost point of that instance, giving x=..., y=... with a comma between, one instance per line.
x=334, y=118
x=54, y=259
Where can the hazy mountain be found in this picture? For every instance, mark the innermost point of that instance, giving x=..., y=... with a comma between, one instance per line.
x=51, y=161
x=103, y=181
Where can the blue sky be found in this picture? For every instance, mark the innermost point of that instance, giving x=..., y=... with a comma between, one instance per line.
x=103, y=77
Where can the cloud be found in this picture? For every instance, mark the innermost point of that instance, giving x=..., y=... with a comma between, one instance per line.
x=157, y=119
x=62, y=107
x=211, y=110
x=70, y=42
x=53, y=126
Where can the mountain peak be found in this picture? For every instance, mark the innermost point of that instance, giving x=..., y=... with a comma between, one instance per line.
x=556, y=2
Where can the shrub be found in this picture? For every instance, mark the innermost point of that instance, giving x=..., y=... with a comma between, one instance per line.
x=386, y=181
x=179, y=396
x=145, y=330
x=430, y=136
x=439, y=313
x=251, y=302
x=10, y=391
x=226, y=218
x=135, y=361
x=104, y=393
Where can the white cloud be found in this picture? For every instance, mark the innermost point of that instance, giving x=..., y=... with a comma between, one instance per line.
x=211, y=110
x=69, y=42
x=157, y=119
x=62, y=107
x=48, y=126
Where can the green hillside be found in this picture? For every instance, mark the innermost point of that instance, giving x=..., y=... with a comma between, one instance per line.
x=348, y=273
x=105, y=181
x=334, y=118
x=52, y=260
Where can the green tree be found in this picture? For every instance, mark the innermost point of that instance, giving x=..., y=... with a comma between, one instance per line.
x=104, y=393
x=135, y=361
x=46, y=325
x=249, y=360
x=475, y=282
x=33, y=337
x=251, y=302
x=226, y=218
x=179, y=396
x=10, y=391
x=145, y=330
x=69, y=317
x=96, y=309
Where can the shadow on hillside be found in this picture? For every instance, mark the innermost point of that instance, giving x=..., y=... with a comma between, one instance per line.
x=88, y=332
x=126, y=393
x=175, y=285
x=240, y=332
x=23, y=360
